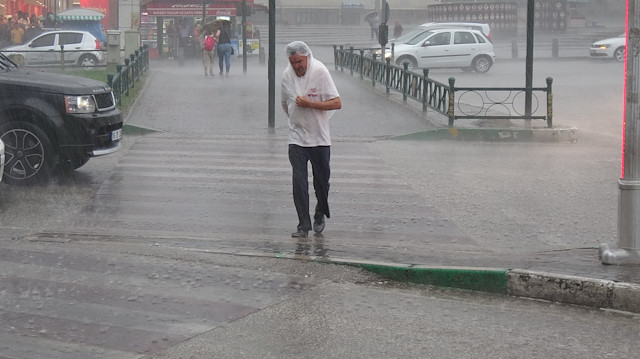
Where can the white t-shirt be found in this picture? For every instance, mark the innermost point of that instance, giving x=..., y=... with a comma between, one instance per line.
x=308, y=127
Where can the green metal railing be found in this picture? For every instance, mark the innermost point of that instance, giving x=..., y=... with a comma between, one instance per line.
x=128, y=74
x=457, y=103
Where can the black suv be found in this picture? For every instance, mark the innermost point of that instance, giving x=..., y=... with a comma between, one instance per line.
x=53, y=121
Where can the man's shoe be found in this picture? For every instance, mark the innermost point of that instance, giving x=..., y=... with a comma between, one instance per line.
x=300, y=234
x=318, y=224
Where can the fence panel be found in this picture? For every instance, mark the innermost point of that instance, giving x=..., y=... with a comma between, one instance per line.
x=457, y=103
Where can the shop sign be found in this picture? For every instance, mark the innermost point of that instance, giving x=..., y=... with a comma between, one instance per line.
x=187, y=10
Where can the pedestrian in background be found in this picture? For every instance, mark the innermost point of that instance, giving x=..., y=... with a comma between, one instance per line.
x=374, y=23
x=224, y=48
x=17, y=33
x=397, y=30
x=309, y=97
x=172, y=37
x=207, y=43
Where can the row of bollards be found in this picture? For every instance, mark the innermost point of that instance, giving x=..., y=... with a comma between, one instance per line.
x=554, y=49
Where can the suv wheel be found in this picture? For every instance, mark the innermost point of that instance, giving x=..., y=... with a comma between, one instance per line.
x=413, y=64
x=88, y=60
x=482, y=64
x=29, y=155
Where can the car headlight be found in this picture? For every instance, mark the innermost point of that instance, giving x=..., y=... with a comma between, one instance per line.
x=603, y=46
x=79, y=104
x=387, y=53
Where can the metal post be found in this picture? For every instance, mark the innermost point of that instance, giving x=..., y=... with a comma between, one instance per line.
x=62, y=56
x=529, y=60
x=373, y=70
x=244, y=36
x=452, y=100
x=425, y=83
x=405, y=75
x=628, y=251
x=387, y=75
x=204, y=14
x=361, y=64
x=272, y=63
x=549, y=103
x=351, y=61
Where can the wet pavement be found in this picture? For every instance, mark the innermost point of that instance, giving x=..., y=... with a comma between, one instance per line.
x=228, y=174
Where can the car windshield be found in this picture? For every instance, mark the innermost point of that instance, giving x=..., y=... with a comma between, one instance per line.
x=409, y=35
x=6, y=64
x=419, y=37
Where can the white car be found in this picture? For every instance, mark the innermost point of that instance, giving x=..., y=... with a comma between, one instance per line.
x=1, y=159
x=467, y=49
x=612, y=48
x=80, y=47
x=482, y=27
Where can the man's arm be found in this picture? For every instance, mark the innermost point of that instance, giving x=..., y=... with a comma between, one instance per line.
x=328, y=105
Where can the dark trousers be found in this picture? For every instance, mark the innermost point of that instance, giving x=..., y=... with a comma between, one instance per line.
x=299, y=158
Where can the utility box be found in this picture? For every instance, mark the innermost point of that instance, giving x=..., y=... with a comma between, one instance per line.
x=131, y=42
x=113, y=47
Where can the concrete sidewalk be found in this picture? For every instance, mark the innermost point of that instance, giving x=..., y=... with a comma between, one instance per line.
x=388, y=218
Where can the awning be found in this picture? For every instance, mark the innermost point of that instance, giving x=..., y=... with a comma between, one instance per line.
x=79, y=15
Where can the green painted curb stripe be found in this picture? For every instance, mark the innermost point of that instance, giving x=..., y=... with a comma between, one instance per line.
x=462, y=134
x=136, y=130
x=491, y=281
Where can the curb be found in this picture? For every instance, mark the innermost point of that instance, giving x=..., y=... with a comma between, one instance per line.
x=589, y=292
x=566, y=135
x=582, y=291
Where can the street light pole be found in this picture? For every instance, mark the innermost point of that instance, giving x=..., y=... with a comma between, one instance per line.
x=628, y=251
x=244, y=36
x=529, y=61
x=272, y=64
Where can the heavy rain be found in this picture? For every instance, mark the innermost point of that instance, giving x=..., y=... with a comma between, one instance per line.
x=175, y=240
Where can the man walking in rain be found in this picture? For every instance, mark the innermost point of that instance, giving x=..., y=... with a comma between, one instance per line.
x=309, y=97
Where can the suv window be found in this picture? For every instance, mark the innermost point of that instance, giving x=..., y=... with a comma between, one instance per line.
x=463, y=37
x=70, y=38
x=443, y=38
x=46, y=40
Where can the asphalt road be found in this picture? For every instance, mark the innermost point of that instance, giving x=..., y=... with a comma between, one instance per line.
x=95, y=265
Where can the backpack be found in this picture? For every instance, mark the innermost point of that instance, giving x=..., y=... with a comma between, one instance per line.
x=209, y=41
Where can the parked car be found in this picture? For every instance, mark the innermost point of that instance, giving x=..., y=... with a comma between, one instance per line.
x=52, y=121
x=1, y=159
x=467, y=49
x=482, y=27
x=612, y=48
x=80, y=48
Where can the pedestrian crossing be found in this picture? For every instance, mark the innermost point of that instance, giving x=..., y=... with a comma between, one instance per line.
x=229, y=188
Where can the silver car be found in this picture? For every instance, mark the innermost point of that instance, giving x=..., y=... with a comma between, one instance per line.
x=612, y=48
x=467, y=49
x=79, y=48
